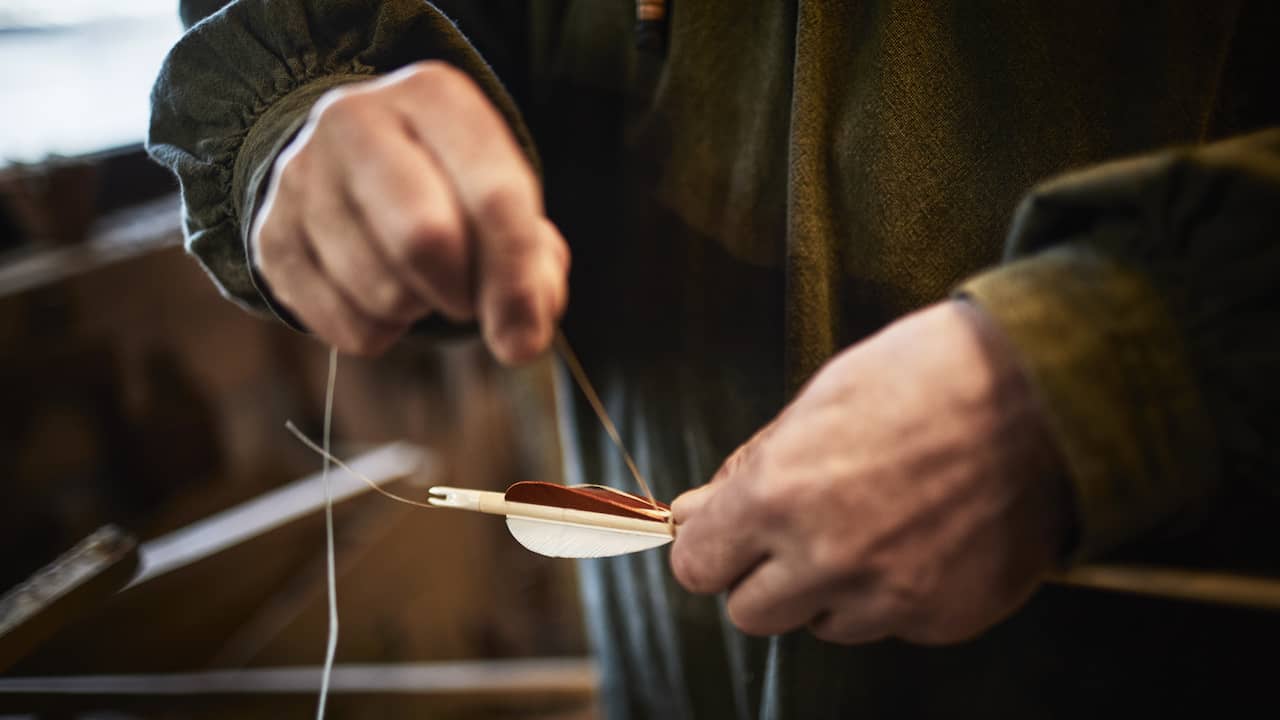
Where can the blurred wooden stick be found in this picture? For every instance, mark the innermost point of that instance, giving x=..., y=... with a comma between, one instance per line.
x=252, y=519
x=64, y=590
x=1192, y=585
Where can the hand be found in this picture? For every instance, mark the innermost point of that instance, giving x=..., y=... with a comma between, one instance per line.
x=910, y=490
x=404, y=196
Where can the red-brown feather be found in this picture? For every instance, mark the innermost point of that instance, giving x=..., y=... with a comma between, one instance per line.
x=591, y=498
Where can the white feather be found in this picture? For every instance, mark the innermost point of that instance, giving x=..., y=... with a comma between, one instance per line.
x=568, y=540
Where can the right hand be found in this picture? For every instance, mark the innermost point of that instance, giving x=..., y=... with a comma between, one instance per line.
x=404, y=196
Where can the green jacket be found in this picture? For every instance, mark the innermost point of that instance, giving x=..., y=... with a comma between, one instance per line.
x=784, y=178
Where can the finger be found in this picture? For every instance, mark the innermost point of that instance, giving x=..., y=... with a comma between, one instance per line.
x=859, y=614
x=348, y=255
x=559, y=261
x=691, y=502
x=405, y=200
x=296, y=281
x=522, y=280
x=520, y=272
x=729, y=526
x=775, y=597
x=708, y=554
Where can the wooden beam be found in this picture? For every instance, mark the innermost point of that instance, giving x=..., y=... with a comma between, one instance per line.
x=542, y=688
x=73, y=584
x=274, y=509
x=505, y=677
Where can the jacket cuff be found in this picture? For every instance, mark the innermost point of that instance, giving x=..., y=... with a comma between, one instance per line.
x=1112, y=374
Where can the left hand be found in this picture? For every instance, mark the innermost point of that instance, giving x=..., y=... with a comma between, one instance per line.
x=910, y=490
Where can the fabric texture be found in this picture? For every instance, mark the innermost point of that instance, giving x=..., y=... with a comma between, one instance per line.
x=1135, y=315
x=785, y=178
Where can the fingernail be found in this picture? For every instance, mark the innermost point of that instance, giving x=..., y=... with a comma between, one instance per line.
x=519, y=342
x=524, y=327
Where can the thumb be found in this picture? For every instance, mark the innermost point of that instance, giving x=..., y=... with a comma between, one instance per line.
x=690, y=502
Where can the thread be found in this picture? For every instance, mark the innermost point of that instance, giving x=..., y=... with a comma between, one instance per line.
x=580, y=376
x=329, y=459
x=350, y=470
x=332, y=647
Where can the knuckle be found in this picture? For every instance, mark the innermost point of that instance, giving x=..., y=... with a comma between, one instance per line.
x=836, y=557
x=519, y=298
x=918, y=584
x=518, y=303
x=343, y=110
x=284, y=294
x=898, y=607
x=387, y=298
x=732, y=464
x=767, y=494
x=503, y=200
x=747, y=619
x=271, y=250
x=425, y=240
x=437, y=76
x=771, y=491
x=771, y=511
x=745, y=461
x=432, y=236
x=292, y=170
x=911, y=594
x=334, y=103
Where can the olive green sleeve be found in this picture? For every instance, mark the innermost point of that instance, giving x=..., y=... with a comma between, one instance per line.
x=1144, y=299
x=241, y=82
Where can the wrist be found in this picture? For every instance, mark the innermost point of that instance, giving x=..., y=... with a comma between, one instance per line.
x=1033, y=456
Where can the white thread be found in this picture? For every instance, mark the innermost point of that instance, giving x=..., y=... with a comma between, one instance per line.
x=332, y=647
x=350, y=471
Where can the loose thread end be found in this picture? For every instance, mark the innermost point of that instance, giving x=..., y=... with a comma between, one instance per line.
x=348, y=469
x=584, y=384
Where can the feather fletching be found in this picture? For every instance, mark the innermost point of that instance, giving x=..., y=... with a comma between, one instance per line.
x=570, y=540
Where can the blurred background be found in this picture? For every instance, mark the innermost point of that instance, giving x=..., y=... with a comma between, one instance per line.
x=144, y=418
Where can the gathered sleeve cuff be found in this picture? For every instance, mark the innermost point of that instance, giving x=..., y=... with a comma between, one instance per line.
x=1143, y=298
